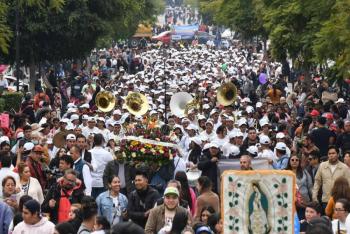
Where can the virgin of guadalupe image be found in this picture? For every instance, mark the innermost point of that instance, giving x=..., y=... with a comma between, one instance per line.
x=258, y=210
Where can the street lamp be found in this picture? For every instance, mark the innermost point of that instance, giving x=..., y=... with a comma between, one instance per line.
x=165, y=55
x=17, y=44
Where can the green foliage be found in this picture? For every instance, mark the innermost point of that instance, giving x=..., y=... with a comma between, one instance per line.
x=69, y=29
x=332, y=41
x=5, y=32
x=210, y=10
x=10, y=101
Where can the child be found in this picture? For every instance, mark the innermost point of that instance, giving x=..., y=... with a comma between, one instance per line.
x=101, y=226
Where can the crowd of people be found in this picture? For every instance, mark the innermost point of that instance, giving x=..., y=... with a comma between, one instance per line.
x=78, y=184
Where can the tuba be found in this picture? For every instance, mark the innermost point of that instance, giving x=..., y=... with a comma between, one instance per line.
x=179, y=103
x=136, y=103
x=105, y=101
x=227, y=94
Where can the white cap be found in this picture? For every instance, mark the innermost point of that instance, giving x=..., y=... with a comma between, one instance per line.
x=64, y=120
x=213, y=145
x=85, y=117
x=258, y=105
x=239, y=134
x=340, y=100
x=241, y=122
x=91, y=119
x=191, y=127
x=28, y=146
x=71, y=137
x=281, y=146
x=232, y=134
x=74, y=117
x=20, y=135
x=101, y=119
x=246, y=99
x=280, y=135
x=263, y=122
x=152, y=112
x=196, y=140
x=4, y=138
x=264, y=140
x=253, y=150
x=249, y=109
x=117, y=112
x=49, y=141
x=71, y=105
x=85, y=105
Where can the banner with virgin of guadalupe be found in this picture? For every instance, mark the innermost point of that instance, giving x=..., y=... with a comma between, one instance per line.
x=258, y=201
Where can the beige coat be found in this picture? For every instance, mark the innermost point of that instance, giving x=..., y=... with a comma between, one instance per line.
x=325, y=178
x=156, y=221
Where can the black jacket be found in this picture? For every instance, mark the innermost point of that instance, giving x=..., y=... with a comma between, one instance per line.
x=55, y=193
x=139, y=203
x=209, y=169
x=112, y=168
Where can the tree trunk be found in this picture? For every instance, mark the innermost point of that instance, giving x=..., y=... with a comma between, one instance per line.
x=32, y=77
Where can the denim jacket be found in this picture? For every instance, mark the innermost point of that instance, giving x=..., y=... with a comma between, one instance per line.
x=106, y=206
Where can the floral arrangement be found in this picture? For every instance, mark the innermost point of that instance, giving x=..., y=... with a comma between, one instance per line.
x=146, y=146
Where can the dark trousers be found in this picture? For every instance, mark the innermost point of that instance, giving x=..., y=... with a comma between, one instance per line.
x=97, y=191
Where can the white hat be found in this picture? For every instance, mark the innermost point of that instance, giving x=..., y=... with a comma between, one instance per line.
x=71, y=137
x=232, y=134
x=74, y=117
x=4, y=138
x=230, y=118
x=117, y=123
x=241, y=122
x=249, y=109
x=20, y=135
x=239, y=134
x=340, y=100
x=280, y=135
x=117, y=112
x=196, y=140
x=64, y=120
x=200, y=117
x=213, y=111
x=246, y=99
x=71, y=105
x=85, y=105
x=191, y=127
x=258, y=105
x=85, y=117
x=264, y=140
x=49, y=141
x=91, y=119
x=253, y=150
x=263, y=122
x=281, y=146
x=28, y=146
x=101, y=119
x=213, y=145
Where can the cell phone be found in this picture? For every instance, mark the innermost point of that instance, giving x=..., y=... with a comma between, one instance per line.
x=13, y=197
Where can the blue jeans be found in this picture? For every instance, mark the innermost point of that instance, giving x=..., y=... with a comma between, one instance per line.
x=97, y=191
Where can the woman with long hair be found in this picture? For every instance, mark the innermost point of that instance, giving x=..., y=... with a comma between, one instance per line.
x=195, y=150
x=28, y=185
x=9, y=195
x=206, y=212
x=341, y=189
x=187, y=192
x=304, y=183
x=54, y=163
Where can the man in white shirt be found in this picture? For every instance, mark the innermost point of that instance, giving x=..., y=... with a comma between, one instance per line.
x=6, y=169
x=208, y=134
x=265, y=151
x=99, y=159
x=91, y=128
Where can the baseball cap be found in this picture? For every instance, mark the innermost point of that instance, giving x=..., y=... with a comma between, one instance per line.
x=264, y=140
x=74, y=117
x=314, y=113
x=196, y=140
x=71, y=137
x=340, y=100
x=38, y=148
x=117, y=112
x=213, y=145
x=253, y=150
x=28, y=146
x=171, y=191
x=280, y=135
x=281, y=146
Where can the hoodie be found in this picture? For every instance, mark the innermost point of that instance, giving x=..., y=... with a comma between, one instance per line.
x=43, y=226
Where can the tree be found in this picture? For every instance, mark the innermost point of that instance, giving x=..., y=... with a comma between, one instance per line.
x=332, y=41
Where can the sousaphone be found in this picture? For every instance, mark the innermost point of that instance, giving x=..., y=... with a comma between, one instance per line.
x=179, y=103
x=136, y=103
x=105, y=101
x=227, y=94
